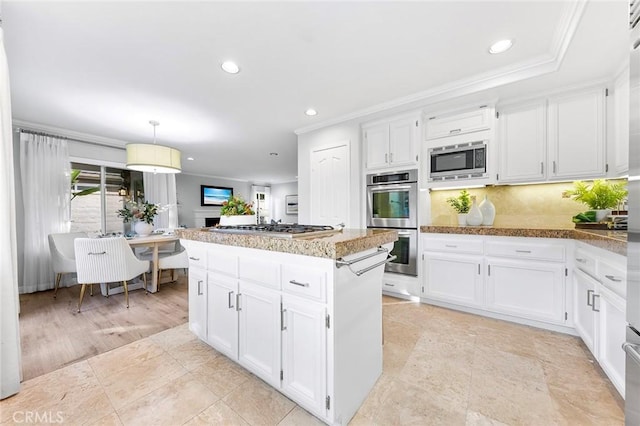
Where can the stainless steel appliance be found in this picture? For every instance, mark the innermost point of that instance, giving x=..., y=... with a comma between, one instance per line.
x=460, y=161
x=632, y=345
x=392, y=200
x=279, y=230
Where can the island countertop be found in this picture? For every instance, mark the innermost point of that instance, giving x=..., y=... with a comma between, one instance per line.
x=341, y=244
x=614, y=241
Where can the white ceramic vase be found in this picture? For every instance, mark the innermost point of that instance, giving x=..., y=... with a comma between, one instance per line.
x=143, y=229
x=488, y=211
x=237, y=220
x=474, y=217
x=462, y=219
x=601, y=215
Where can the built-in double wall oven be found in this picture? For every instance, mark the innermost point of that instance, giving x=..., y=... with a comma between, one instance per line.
x=392, y=200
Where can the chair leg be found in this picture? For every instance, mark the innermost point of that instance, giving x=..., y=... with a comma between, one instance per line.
x=91, y=290
x=126, y=293
x=55, y=289
x=81, y=296
x=144, y=279
x=107, y=285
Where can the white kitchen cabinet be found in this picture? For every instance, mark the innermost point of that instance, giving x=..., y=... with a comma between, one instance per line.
x=528, y=289
x=222, y=317
x=576, y=135
x=459, y=123
x=621, y=125
x=304, y=349
x=585, y=320
x=198, y=302
x=391, y=143
x=329, y=198
x=259, y=339
x=522, y=142
x=455, y=278
x=612, y=326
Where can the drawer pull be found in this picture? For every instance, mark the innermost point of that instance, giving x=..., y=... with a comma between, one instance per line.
x=614, y=279
x=194, y=258
x=589, y=294
x=451, y=246
x=389, y=285
x=581, y=260
x=523, y=251
x=294, y=282
x=455, y=131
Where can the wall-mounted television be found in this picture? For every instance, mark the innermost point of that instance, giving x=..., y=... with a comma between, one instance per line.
x=214, y=195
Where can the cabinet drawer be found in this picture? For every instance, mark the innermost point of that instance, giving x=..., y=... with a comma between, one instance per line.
x=526, y=250
x=260, y=271
x=470, y=246
x=614, y=277
x=197, y=253
x=585, y=261
x=456, y=124
x=304, y=282
x=221, y=262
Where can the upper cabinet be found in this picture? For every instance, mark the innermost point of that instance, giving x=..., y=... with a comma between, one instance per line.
x=620, y=145
x=459, y=123
x=561, y=138
x=391, y=143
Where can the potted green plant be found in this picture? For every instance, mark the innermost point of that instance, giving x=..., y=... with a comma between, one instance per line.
x=141, y=214
x=600, y=196
x=461, y=204
x=236, y=211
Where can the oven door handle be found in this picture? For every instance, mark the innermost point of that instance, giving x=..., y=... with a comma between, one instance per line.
x=633, y=351
x=387, y=188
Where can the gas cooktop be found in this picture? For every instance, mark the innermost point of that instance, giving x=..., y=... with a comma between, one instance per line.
x=279, y=230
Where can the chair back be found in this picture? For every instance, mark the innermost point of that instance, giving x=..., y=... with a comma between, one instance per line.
x=63, y=252
x=106, y=260
x=177, y=260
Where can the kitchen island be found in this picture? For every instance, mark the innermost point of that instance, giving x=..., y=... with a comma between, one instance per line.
x=303, y=314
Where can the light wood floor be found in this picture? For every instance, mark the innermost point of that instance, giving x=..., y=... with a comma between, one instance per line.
x=54, y=335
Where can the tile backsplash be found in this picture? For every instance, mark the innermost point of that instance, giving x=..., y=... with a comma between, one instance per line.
x=516, y=205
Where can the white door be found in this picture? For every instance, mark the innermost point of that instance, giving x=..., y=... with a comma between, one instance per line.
x=402, y=136
x=523, y=143
x=198, y=302
x=304, y=352
x=527, y=289
x=576, y=135
x=454, y=278
x=259, y=332
x=585, y=317
x=612, y=327
x=222, y=318
x=376, y=141
x=330, y=186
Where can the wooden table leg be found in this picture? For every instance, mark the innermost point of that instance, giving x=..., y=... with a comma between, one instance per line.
x=154, y=270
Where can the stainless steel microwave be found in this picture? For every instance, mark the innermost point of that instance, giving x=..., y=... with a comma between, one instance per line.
x=461, y=161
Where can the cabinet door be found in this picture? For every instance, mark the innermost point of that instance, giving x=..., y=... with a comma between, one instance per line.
x=376, y=140
x=576, y=135
x=526, y=289
x=456, y=124
x=621, y=125
x=523, y=142
x=198, y=302
x=304, y=352
x=330, y=186
x=453, y=278
x=612, y=328
x=585, y=316
x=259, y=332
x=402, y=142
x=222, y=318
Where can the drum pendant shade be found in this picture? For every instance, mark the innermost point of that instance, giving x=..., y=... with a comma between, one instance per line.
x=153, y=158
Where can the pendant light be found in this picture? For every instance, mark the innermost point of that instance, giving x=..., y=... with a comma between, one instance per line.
x=153, y=158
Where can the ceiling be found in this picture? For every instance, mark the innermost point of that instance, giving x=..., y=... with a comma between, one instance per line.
x=107, y=68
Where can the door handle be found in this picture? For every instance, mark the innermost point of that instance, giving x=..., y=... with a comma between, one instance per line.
x=593, y=307
x=386, y=158
x=294, y=282
x=229, y=300
x=632, y=350
x=554, y=166
x=200, y=288
x=589, y=293
x=238, y=308
x=391, y=157
x=541, y=167
x=283, y=327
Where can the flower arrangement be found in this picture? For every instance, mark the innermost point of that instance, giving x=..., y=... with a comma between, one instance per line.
x=236, y=206
x=144, y=211
x=461, y=203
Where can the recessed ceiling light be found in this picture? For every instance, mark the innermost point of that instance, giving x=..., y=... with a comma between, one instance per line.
x=190, y=158
x=273, y=154
x=500, y=46
x=311, y=112
x=230, y=67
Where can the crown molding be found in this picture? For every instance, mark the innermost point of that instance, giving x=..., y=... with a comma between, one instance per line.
x=543, y=64
x=69, y=134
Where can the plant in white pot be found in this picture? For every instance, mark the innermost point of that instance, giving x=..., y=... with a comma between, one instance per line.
x=601, y=196
x=461, y=204
x=141, y=214
x=236, y=211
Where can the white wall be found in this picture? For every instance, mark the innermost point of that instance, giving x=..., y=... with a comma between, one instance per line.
x=188, y=188
x=278, y=193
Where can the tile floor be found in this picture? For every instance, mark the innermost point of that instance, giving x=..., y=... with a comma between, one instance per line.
x=441, y=367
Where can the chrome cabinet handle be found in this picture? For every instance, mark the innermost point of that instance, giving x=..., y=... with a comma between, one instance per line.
x=478, y=269
x=391, y=157
x=194, y=258
x=589, y=293
x=593, y=307
x=451, y=246
x=489, y=270
x=554, y=166
x=386, y=158
x=614, y=279
x=238, y=308
x=541, y=167
x=229, y=300
x=389, y=285
x=283, y=327
x=581, y=260
x=199, y=288
x=523, y=251
x=455, y=131
x=294, y=282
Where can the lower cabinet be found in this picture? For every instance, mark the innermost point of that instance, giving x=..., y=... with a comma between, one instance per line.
x=585, y=320
x=612, y=324
x=222, y=318
x=454, y=278
x=198, y=302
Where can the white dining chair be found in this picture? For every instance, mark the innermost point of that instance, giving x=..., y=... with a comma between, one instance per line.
x=174, y=259
x=107, y=260
x=63, y=260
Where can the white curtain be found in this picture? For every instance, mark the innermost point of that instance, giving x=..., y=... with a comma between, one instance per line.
x=46, y=191
x=160, y=188
x=10, y=367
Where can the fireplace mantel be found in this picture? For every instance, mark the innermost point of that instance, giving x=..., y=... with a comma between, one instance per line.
x=199, y=216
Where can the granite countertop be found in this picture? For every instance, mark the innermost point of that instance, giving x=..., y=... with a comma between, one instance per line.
x=614, y=241
x=341, y=244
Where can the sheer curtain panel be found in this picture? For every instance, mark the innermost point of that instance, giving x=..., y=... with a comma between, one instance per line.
x=160, y=188
x=46, y=191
